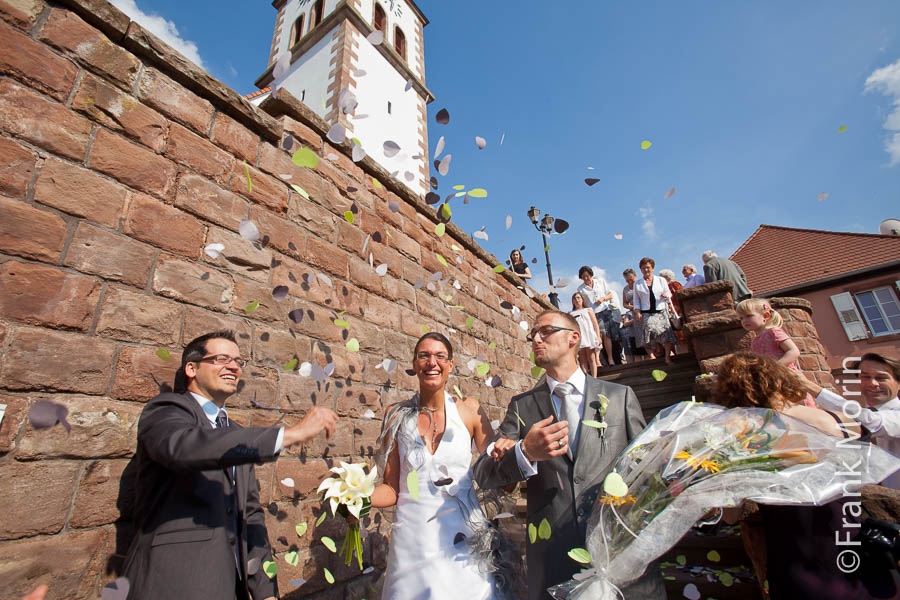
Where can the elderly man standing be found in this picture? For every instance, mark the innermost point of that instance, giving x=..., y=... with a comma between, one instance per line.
x=691, y=277
x=565, y=463
x=200, y=529
x=723, y=269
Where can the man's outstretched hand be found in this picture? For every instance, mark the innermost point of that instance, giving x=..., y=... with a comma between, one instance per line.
x=546, y=440
x=317, y=419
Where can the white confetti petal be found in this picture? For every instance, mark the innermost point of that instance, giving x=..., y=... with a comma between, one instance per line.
x=369, y=414
x=439, y=148
x=523, y=325
x=480, y=142
x=409, y=84
x=376, y=37
x=381, y=270
x=508, y=221
x=329, y=369
x=287, y=482
x=391, y=148
x=305, y=369
x=213, y=250
x=325, y=279
x=248, y=230
x=336, y=134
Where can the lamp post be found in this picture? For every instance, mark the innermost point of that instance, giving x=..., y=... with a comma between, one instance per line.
x=545, y=226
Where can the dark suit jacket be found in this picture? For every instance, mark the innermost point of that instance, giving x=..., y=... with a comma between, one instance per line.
x=723, y=269
x=184, y=516
x=564, y=491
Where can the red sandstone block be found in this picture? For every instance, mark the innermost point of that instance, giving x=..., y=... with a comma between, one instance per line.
x=352, y=239
x=326, y=256
x=45, y=296
x=33, y=63
x=347, y=365
x=40, y=359
x=199, y=154
x=303, y=135
x=257, y=384
x=275, y=348
x=339, y=444
x=110, y=255
x=152, y=221
x=13, y=418
x=175, y=101
x=42, y=122
x=138, y=317
x=279, y=233
x=80, y=192
x=193, y=283
x=198, y=322
x=131, y=164
x=37, y=496
x=235, y=138
x=21, y=13
x=278, y=163
x=363, y=275
x=30, y=232
x=266, y=190
x=65, y=30
x=400, y=292
x=311, y=216
x=409, y=247
x=103, y=496
x=141, y=374
x=120, y=112
x=16, y=168
x=239, y=256
x=205, y=199
x=247, y=292
x=303, y=282
x=306, y=480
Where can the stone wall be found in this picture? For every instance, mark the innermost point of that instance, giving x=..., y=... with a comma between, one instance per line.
x=119, y=162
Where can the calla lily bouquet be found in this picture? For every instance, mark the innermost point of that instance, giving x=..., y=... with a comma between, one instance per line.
x=349, y=492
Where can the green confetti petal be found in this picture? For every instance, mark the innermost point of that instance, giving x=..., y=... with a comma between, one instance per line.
x=536, y=371
x=252, y=306
x=300, y=190
x=681, y=560
x=492, y=345
x=292, y=558
x=376, y=183
x=247, y=173
x=478, y=193
x=328, y=576
x=499, y=269
x=614, y=485
x=595, y=424
x=412, y=484
x=482, y=369
x=270, y=568
x=342, y=323
x=356, y=141
x=646, y=144
x=328, y=543
x=439, y=229
x=520, y=418
x=425, y=329
x=544, y=529
x=547, y=248
x=459, y=187
x=445, y=211
x=304, y=157
x=469, y=323
x=459, y=194
x=163, y=354
x=291, y=365
x=321, y=518
x=532, y=533
x=301, y=528
x=726, y=578
x=842, y=129
x=455, y=248
x=353, y=345
x=580, y=555
x=441, y=259
x=348, y=216
x=458, y=391
x=713, y=556
x=658, y=375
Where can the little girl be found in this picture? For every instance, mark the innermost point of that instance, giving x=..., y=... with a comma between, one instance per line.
x=590, y=333
x=771, y=340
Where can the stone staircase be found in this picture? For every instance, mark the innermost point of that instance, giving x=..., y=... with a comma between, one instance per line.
x=656, y=395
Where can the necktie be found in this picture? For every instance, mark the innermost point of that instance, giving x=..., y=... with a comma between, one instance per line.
x=222, y=423
x=569, y=411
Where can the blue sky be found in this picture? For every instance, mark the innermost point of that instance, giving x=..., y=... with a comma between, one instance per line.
x=741, y=101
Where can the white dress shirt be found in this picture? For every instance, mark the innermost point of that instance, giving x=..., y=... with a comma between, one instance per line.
x=212, y=411
x=694, y=280
x=592, y=294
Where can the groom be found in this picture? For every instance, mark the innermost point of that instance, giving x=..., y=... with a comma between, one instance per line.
x=564, y=461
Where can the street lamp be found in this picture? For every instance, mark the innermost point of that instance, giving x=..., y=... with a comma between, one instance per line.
x=545, y=226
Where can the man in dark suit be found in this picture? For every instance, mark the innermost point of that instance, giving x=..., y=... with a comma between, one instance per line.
x=716, y=268
x=564, y=462
x=200, y=529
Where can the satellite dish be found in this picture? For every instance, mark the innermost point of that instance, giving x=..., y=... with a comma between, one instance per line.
x=889, y=227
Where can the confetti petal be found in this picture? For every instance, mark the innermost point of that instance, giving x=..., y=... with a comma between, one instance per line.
x=544, y=529
x=446, y=213
x=300, y=190
x=482, y=369
x=296, y=315
x=561, y=283
x=437, y=152
x=391, y=148
x=439, y=229
x=270, y=568
x=328, y=543
x=116, y=590
x=409, y=84
x=337, y=134
x=444, y=165
x=822, y=196
x=304, y=157
x=412, y=484
x=591, y=181
x=658, y=375
x=251, y=307
x=292, y=558
x=394, y=206
x=301, y=528
x=614, y=485
x=376, y=37
x=248, y=230
x=681, y=559
x=328, y=576
x=164, y=354
x=358, y=153
x=508, y=221
x=280, y=292
x=381, y=270
x=441, y=259
x=499, y=269
x=713, y=556
x=842, y=129
x=618, y=236
x=470, y=321
x=478, y=193
x=481, y=235
x=348, y=216
x=442, y=116
x=480, y=142
x=580, y=555
x=691, y=592
x=369, y=414
x=291, y=365
x=325, y=279
x=646, y=144
x=353, y=345
x=213, y=250
x=287, y=482
x=669, y=194
x=532, y=533
x=560, y=226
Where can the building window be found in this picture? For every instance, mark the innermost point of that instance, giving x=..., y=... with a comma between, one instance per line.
x=317, y=12
x=380, y=18
x=881, y=310
x=400, y=42
x=297, y=31
x=389, y=107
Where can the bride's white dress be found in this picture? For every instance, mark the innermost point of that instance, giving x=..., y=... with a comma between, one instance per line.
x=424, y=562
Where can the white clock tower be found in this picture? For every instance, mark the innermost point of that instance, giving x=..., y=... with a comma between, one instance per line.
x=323, y=54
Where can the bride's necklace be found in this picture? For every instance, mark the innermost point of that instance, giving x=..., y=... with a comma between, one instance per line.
x=432, y=422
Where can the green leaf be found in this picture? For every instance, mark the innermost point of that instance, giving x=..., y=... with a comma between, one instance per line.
x=536, y=371
x=658, y=375
x=328, y=576
x=532, y=533
x=499, y=269
x=469, y=323
x=544, y=529
x=329, y=543
x=348, y=216
x=252, y=306
x=482, y=369
x=595, y=424
x=247, y=173
x=291, y=365
x=441, y=259
x=164, y=354
x=445, y=211
x=492, y=345
x=681, y=560
x=270, y=568
x=300, y=190
x=478, y=193
x=292, y=558
x=726, y=578
x=439, y=229
x=301, y=528
x=412, y=483
x=713, y=556
x=321, y=518
x=342, y=323
x=580, y=555
x=304, y=157
x=353, y=345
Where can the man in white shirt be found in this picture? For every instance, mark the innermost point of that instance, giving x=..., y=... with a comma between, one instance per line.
x=564, y=461
x=879, y=378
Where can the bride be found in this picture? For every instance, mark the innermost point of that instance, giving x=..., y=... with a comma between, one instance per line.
x=442, y=545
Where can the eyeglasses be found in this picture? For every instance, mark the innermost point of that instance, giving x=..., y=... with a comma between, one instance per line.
x=545, y=332
x=223, y=359
x=441, y=357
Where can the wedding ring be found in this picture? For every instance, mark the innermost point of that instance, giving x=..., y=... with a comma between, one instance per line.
x=559, y=441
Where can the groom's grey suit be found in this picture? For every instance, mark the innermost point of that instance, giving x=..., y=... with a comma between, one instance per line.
x=563, y=491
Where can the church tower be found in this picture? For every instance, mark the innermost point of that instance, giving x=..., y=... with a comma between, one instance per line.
x=326, y=54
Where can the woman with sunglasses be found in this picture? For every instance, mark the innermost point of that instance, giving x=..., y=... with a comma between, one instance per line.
x=442, y=545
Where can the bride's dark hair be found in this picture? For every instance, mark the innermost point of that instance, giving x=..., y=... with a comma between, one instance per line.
x=434, y=335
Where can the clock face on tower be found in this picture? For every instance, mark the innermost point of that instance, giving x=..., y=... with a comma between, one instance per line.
x=394, y=7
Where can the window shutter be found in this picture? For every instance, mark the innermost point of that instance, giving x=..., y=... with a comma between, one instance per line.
x=850, y=318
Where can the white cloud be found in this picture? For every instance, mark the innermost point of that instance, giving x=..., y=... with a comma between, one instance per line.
x=648, y=224
x=886, y=80
x=161, y=28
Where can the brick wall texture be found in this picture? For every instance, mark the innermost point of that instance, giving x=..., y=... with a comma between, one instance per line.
x=119, y=163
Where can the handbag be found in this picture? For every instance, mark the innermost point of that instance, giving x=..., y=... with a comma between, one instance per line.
x=674, y=319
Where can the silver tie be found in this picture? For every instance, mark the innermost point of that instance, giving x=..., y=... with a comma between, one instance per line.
x=568, y=411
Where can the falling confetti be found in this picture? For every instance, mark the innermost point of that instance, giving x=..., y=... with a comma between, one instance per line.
x=280, y=292
x=287, y=482
x=358, y=153
x=292, y=558
x=444, y=165
x=669, y=194
x=304, y=157
x=301, y=528
x=328, y=543
x=691, y=592
x=248, y=230
x=336, y=134
x=499, y=269
x=321, y=518
x=381, y=270
x=842, y=129
x=560, y=226
x=348, y=216
x=580, y=555
x=646, y=144
x=480, y=234
x=251, y=307
x=270, y=568
x=353, y=345
x=300, y=190
x=562, y=283
x=441, y=259
x=442, y=116
x=618, y=236
x=658, y=375
x=544, y=529
x=296, y=315
x=508, y=221
x=391, y=148
x=376, y=37
x=369, y=414
x=409, y=84
x=532, y=533
x=822, y=196
x=591, y=181
x=328, y=576
x=291, y=365
x=713, y=556
x=213, y=250
x=478, y=193
x=439, y=229
x=163, y=354
x=45, y=414
x=437, y=152
x=480, y=142
x=614, y=485
x=412, y=483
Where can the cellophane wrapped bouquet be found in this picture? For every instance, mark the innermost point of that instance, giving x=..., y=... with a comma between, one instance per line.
x=349, y=492
x=694, y=457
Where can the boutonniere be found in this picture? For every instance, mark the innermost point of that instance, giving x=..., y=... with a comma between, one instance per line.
x=599, y=421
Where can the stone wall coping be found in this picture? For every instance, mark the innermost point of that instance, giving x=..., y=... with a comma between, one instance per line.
x=787, y=302
x=706, y=289
x=713, y=323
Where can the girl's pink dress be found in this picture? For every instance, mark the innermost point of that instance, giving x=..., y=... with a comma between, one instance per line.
x=768, y=343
